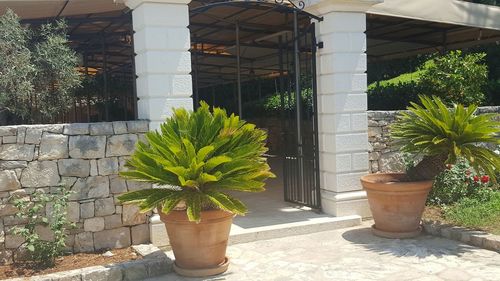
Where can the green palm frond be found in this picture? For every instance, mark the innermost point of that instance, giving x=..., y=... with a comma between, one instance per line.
x=195, y=158
x=433, y=130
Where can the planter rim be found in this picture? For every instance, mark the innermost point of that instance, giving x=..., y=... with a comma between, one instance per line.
x=391, y=182
x=180, y=216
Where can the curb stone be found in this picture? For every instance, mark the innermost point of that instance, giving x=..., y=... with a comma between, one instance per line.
x=154, y=263
x=472, y=237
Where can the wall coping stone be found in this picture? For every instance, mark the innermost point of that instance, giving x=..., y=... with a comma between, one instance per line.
x=154, y=263
x=469, y=236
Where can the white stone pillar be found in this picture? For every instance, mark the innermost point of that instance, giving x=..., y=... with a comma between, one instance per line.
x=163, y=66
x=342, y=104
x=163, y=60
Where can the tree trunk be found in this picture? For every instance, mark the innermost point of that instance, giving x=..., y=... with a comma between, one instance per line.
x=428, y=168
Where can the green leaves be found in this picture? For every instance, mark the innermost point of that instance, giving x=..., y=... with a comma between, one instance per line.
x=432, y=129
x=195, y=157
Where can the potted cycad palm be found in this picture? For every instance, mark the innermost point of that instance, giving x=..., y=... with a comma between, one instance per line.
x=438, y=136
x=194, y=160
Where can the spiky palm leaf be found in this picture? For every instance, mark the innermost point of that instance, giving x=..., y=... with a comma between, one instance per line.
x=443, y=135
x=195, y=158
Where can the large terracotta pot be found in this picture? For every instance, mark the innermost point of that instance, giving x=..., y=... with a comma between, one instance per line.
x=199, y=248
x=396, y=205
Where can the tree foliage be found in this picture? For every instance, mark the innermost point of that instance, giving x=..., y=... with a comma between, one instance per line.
x=442, y=136
x=456, y=78
x=196, y=157
x=38, y=69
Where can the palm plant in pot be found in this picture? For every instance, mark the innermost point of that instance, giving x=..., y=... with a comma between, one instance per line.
x=197, y=160
x=438, y=136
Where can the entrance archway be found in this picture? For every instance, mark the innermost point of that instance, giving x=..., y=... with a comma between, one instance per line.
x=257, y=59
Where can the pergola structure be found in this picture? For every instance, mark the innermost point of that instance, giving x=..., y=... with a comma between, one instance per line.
x=174, y=48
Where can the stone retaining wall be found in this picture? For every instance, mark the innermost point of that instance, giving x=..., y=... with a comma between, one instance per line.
x=84, y=157
x=383, y=157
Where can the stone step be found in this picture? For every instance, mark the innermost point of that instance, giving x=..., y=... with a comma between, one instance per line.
x=244, y=235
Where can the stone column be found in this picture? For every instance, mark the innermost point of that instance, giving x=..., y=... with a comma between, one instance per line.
x=342, y=104
x=163, y=66
x=163, y=60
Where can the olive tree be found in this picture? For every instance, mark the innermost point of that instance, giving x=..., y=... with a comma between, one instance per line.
x=38, y=70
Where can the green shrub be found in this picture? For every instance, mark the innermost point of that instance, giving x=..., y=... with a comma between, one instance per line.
x=476, y=213
x=458, y=182
x=36, y=213
x=38, y=70
x=456, y=78
x=196, y=158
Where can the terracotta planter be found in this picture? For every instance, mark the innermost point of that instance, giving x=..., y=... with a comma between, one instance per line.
x=396, y=206
x=199, y=248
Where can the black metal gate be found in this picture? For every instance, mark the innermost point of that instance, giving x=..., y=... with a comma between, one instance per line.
x=299, y=117
x=284, y=34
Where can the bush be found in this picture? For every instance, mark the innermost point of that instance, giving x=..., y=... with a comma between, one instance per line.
x=458, y=182
x=38, y=70
x=36, y=214
x=456, y=78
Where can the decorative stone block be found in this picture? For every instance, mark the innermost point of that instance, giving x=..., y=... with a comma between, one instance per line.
x=73, y=211
x=121, y=145
x=74, y=167
x=140, y=234
x=21, y=134
x=87, y=147
x=138, y=185
x=91, y=187
x=113, y=221
x=104, y=207
x=94, y=224
x=9, y=181
x=53, y=146
x=76, y=129
x=9, y=139
x=137, y=126
x=8, y=130
x=17, y=152
x=87, y=210
x=134, y=271
x=113, y=238
x=84, y=242
x=93, y=168
x=10, y=165
x=7, y=210
x=132, y=216
x=13, y=241
x=117, y=184
x=33, y=135
x=120, y=127
x=107, y=166
x=40, y=174
x=101, y=129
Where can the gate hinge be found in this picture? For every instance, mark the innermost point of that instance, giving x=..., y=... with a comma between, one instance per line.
x=320, y=45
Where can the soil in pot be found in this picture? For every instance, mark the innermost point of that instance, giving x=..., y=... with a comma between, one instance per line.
x=396, y=205
x=199, y=248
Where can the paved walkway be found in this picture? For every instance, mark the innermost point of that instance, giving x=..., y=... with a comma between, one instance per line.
x=355, y=254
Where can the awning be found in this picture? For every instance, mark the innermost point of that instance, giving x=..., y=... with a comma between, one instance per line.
x=402, y=28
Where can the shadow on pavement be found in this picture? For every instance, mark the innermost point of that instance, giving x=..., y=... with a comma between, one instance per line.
x=421, y=246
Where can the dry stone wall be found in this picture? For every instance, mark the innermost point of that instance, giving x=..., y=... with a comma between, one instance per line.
x=84, y=157
x=383, y=156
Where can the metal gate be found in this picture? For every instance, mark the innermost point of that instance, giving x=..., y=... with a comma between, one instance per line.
x=291, y=64
x=299, y=117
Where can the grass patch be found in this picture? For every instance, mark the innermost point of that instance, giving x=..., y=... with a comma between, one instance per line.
x=476, y=214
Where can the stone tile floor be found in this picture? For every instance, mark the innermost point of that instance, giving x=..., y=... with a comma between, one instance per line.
x=355, y=254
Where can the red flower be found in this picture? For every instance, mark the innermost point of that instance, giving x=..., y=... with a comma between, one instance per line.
x=449, y=166
x=485, y=179
x=476, y=178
